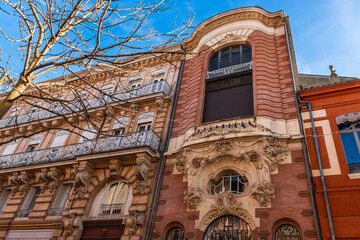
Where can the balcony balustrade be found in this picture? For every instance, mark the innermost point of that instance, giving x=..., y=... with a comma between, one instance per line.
x=127, y=141
x=76, y=106
x=110, y=210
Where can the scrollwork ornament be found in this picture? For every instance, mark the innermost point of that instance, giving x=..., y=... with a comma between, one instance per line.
x=181, y=162
x=192, y=199
x=142, y=170
x=263, y=194
x=223, y=146
x=275, y=152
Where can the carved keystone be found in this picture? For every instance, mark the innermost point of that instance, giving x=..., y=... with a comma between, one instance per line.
x=115, y=167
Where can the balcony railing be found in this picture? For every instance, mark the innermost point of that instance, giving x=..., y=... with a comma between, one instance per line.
x=229, y=70
x=353, y=163
x=149, y=89
x=127, y=141
x=110, y=210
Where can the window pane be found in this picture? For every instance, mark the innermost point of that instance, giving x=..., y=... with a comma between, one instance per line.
x=350, y=148
x=121, y=193
x=235, y=55
x=111, y=195
x=224, y=61
x=246, y=54
x=214, y=63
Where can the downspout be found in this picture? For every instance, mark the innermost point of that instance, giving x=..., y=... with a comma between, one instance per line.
x=162, y=162
x=303, y=142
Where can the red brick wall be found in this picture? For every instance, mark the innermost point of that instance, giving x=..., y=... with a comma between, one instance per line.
x=273, y=89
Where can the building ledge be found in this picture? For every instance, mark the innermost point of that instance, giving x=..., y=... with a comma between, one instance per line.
x=354, y=175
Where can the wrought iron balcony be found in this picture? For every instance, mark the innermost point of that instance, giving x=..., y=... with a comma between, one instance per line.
x=110, y=210
x=127, y=141
x=145, y=90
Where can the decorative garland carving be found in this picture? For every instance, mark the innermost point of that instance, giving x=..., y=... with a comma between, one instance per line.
x=133, y=220
x=141, y=172
x=263, y=194
x=275, y=152
x=226, y=204
x=192, y=199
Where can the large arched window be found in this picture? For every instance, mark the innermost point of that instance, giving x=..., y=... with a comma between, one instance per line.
x=228, y=227
x=287, y=232
x=112, y=201
x=228, y=91
x=227, y=181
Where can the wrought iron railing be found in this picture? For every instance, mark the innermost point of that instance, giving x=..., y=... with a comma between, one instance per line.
x=24, y=213
x=56, y=211
x=110, y=210
x=132, y=140
x=229, y=70
x=354, y=163
x=161, y=86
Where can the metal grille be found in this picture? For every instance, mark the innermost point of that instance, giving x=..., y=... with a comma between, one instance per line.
x=175, y=233
x=287, y=232
x=110, y=210
x=228, y=228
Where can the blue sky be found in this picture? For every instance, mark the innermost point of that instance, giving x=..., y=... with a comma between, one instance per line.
x=324, y=31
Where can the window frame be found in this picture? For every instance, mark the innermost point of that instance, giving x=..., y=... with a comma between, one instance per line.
x=30, y=201
x=5, y=196
x=60, y=201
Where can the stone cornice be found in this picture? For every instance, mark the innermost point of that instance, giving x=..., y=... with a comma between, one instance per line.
x=249, y=13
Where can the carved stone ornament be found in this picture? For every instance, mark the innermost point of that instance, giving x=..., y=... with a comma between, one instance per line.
x=49, y=178
x=181, y=161
x=115, y=168
x=159, y=104
x=133, y=220
x=82, y=180
x=19, y=182
x=192, y=199
x=197, y=161
x=275, y=152
x=263, y=194
x=223, y=146
x=226, y=204
x=71, y=222
x=141, y=172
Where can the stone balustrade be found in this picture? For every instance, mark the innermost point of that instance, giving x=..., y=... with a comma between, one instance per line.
x=108, y=144
x=75, y=106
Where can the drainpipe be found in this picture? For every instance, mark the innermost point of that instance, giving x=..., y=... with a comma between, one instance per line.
x=303, y=142
x=162, y=162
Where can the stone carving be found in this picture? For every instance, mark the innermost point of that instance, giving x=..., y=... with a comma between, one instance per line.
x=223, y=146
x=141, y=172
x=49, y=178
x=146, y=117
x=82, y=179
x=133, y=220
x=235, y=126
x=192, y=199
x=71, y=222
x=263, y=194
x=115, y=168
x=159, y=104
x=226, y=204
x=181, y=162
x=197, y=161
x=19, y=182
x=275, y=152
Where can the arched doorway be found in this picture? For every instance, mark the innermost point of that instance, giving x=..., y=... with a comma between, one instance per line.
x=228, y=228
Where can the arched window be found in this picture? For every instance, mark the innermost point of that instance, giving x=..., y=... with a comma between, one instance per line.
x=228, y=92
x=228, y=181
x=287, y=232
x=228, y=227
x=349, y=129
x=175, y=233
x=112, y=201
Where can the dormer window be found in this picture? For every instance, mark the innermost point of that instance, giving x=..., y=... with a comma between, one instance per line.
x=228, y=91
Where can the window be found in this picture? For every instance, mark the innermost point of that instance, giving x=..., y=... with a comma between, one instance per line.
x=119, y=131
x=107, y=88
x=10, y=147
x=34, y=143
x=228, y=91
x=32, y=147
x=113, y=201
x=29, y=202
x=60, y=138
x=120, y=126
x=228, y=181
x=228, y=227
x=158, y=80
x=144, y=127
x=3, y=199
x=88, y=133
x=61, y=199
x=349, y=129
x=135, y=86
x=287, y=232
x=175, y=233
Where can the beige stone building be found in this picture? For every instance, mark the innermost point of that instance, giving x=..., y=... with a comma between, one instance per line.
x=90, y=176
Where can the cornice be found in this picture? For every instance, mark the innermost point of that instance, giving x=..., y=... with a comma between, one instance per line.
x=248, y=13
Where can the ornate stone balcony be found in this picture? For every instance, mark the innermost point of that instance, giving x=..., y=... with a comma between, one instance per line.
x=127, y=141
x=158, y=87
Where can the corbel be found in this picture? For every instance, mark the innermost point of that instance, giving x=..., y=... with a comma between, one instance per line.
x=159, y=104
x=82, y=178
x=141, y=171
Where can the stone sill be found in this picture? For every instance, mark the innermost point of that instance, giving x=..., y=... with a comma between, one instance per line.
x=354, y=175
